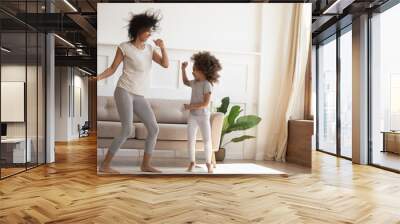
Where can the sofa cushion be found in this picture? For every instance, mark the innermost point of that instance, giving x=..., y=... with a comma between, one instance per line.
x=110, y=129
x=106, y=109
x=165, y=110
x=160, y=145
x=169, y=111
x=166, y=132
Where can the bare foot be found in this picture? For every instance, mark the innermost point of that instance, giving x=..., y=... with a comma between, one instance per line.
x=191, y=165
x=107, y=169
x=210, y=168
x=149, y=169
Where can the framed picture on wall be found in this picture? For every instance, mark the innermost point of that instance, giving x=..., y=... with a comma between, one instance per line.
x=12, y=101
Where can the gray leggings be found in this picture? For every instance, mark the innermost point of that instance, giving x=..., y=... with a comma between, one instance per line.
x=127, y=103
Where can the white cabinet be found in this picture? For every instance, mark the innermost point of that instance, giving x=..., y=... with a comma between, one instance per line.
x=16, y=147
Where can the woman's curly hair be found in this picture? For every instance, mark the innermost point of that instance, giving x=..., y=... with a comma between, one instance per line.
x=208, y=64
x=139, y=22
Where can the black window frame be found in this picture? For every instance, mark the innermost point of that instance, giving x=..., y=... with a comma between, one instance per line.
x=333, y=37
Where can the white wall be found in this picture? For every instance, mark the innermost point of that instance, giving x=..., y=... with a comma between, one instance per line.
x=79, y=117
x=68, y=83
x=61, y=104
x=228, y=27
x=232, y=32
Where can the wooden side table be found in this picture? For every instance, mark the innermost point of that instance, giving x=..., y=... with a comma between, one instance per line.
x=299, y=142
x=391, y=141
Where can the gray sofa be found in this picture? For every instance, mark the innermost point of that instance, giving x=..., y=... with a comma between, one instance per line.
x=171, y=118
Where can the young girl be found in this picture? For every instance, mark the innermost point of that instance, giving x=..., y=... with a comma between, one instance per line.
x=205, y=72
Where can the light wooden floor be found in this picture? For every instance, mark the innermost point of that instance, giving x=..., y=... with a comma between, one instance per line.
x=70, y=192
x=10, y=171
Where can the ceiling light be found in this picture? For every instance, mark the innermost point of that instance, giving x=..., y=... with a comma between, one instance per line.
x=84, y=71
x=5, y=50
x=65, y=41
x=70, y=5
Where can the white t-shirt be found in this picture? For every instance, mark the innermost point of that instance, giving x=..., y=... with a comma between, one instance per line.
x=135, y=76
x=199, y=88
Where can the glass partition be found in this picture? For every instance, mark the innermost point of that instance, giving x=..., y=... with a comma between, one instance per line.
x=327, y=96
x=13, y=95
x=346, y=94
x=385, y=89
x=22, y=77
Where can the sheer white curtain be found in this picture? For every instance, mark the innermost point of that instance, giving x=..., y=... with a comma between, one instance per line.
x=285, y=46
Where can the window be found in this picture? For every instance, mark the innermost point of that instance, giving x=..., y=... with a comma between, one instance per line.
x=334, y=91
x=394, y=101
x=385, y=89
x=346, y=93
x=327, y=96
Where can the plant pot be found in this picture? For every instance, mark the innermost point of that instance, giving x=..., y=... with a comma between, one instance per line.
x=220, y=154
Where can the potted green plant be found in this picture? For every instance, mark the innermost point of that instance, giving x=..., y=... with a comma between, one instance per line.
x=234, y=122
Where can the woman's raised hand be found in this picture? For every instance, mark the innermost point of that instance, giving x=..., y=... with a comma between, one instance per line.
x=184, y=65
x=186, y=106
x=159, y=43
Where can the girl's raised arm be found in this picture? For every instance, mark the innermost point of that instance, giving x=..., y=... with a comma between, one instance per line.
x=184, y=76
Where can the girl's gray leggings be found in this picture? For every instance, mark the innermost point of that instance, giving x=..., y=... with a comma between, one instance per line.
x=127, y=103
